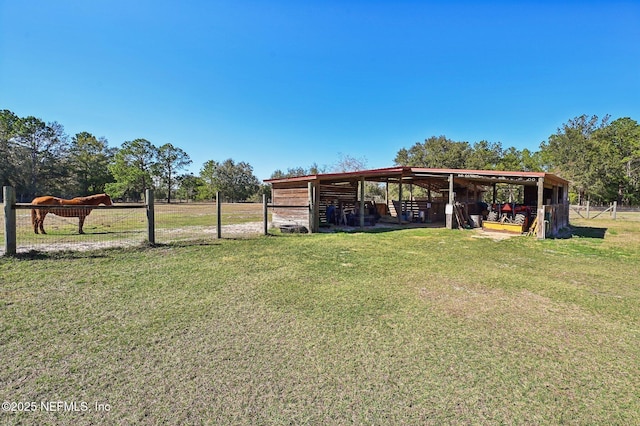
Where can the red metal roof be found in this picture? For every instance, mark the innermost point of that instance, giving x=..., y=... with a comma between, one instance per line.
x=416, y=172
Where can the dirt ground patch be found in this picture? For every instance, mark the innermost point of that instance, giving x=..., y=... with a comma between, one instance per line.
x=494, y=235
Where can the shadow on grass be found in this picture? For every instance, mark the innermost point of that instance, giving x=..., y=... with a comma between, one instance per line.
x=184, y=243
x=103, y=252
x=63, y=254
x=588, y=232
x=365, y=230
x=384, y=229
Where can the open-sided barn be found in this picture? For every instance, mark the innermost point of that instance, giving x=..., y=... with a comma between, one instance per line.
x=453, y=197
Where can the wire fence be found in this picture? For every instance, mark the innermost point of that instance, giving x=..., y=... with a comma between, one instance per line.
x=196, y=221
x=122, y=225
x=112, y=227
x=604, y=212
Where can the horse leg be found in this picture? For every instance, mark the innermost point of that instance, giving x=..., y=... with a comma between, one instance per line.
x=34, y=220
x=41, y=216
x=80, y=224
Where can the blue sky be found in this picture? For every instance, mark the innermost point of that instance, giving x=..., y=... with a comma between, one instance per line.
x=282, y=84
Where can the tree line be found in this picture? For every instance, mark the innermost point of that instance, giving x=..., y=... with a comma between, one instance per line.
x=601, y=159
x=39, y=158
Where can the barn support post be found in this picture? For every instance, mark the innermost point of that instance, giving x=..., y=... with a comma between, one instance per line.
x=452, y=195
x=218, y=215
x=565, y=201
x=9, y=220
x=428, y=212
x=386, y=193
x=541, y=227
x=540, y=195
x=449, y=207
x=361, y=202
x=265, y=214
x=314, y=207
x=310, y=195
x=400, y=202
x=151, y=224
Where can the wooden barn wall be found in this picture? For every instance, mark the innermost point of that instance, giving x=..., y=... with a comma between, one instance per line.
x=290, y=195
x=338, y=194
x=341, y=196
x=435, y=213
x=553, y=218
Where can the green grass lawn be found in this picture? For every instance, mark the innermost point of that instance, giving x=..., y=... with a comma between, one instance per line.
x=422, y=326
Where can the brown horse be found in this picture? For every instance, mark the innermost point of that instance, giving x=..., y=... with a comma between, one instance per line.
x=38, y=215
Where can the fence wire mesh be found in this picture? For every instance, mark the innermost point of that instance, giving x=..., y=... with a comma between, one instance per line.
x=122, y=227
x=103, y=228
x=578, y=212
x=198, y=221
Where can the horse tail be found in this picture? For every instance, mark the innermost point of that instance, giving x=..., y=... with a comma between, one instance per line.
x=33, y=217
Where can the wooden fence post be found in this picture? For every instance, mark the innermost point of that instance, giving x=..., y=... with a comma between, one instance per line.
x=151, y=221
x=615, y=210
x=588, y=208
x=218, y=215
x=9, y=220
x=265, y=214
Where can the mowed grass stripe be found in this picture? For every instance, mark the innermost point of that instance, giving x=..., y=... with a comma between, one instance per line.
x=418, y=326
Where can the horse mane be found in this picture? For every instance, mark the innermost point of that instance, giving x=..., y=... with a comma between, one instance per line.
x=94, y=196
x=91, y=200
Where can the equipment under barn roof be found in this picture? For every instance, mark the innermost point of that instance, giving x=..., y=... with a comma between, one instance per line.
x=453, y=197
